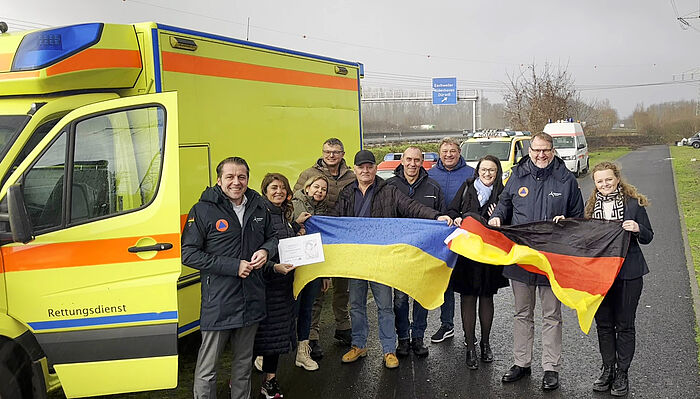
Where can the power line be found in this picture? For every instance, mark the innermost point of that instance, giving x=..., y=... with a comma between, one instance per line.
x=13, y=20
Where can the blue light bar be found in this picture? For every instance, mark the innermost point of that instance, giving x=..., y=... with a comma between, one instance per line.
x=45, y=47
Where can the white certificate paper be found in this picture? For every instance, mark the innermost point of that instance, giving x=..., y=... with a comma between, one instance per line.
x=301, y=250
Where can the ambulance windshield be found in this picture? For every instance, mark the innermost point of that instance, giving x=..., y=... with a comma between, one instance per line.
x=563, y=142
x=10, y=126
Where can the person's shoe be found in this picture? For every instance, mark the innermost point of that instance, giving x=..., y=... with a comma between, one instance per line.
x=391, y=361
x=472, y=360
x=620, y=385
x=515, y=373
x=304, y=359
x=419, y=349
x=271, y=389
x=344, y=336
x=550, y=381
x=486, y=353
x=404, y=347
x=353, y=354
x=606, y=378
x=442, y=334
x=258, y=363
x=316, y=350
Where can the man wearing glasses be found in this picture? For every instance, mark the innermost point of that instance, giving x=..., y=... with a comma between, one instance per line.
x=333, y=166
x=540, y=188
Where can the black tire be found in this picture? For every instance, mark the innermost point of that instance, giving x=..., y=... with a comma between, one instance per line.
x=696, y=144
x=578, y=170
x=9, y=383
x=588, y=166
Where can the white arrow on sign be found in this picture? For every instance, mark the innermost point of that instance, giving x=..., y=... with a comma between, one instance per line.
x=443, y=99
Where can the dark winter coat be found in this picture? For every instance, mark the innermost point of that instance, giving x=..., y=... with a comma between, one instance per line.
x=470, y=277
x=387, y=202
x=335, y=183
x=635, y=265
x=533, y=195
x=424, y=190
x=276, y=333
x=450, y=180
x=214, y=242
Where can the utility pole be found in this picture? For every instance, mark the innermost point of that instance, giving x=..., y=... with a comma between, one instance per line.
x=692, y=75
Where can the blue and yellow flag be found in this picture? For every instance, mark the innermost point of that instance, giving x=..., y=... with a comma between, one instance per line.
x=407, y=254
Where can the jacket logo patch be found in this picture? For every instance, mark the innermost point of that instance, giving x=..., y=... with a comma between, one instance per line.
x=222, y=225
x=553, y=194
x=523, y=191
x=257, y=220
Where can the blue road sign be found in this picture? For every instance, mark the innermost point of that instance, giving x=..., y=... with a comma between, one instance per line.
x=444, y=91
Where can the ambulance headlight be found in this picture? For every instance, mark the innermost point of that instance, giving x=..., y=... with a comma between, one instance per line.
x=569, y=157
x=45, y=47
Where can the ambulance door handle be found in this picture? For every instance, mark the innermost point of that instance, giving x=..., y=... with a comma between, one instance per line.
x=161, y=246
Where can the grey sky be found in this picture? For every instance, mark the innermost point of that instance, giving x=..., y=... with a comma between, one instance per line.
x=620, y=42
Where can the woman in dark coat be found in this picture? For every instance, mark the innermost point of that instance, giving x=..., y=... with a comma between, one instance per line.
x=474, y=280
x=615, y=200
x=277, y=332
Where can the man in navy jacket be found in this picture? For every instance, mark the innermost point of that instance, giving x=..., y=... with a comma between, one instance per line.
x=450, y=172
x=229, y=237
x=540, y=188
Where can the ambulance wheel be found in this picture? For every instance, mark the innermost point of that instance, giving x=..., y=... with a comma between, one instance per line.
x=9, y=383
x=588, y=166
x=578, y=170
x=696, y=144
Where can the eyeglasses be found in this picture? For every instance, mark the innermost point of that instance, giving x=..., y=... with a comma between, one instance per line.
x=541, y=150
x=488, y=170
x=326, y=152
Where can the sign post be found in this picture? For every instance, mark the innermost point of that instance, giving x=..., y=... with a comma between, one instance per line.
x=444, y=91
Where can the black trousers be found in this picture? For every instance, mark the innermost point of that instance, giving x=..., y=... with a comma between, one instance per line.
x=615, y=322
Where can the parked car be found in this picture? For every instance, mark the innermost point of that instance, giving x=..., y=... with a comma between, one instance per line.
x=385, y=169
x=694, y=140
x=506, y=145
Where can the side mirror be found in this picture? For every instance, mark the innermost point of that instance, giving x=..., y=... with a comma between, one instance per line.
x=20, y=224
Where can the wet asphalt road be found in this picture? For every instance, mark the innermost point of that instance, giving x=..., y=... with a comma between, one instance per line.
x=665, y=364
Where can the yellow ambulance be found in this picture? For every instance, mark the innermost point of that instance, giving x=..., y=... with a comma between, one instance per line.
x=108, y=135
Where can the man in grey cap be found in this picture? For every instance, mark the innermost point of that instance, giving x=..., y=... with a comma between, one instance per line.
x=371, y=196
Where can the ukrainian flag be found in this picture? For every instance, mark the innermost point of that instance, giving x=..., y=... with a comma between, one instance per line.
x=407, y=254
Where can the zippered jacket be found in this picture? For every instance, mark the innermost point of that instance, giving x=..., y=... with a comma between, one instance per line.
x=534, y=195
x=214, y=242
x=424, y=190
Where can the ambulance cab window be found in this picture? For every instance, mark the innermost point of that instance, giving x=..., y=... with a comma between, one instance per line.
x=36, y=137
x=43, y=187
x=116, y=163
x=10, y=126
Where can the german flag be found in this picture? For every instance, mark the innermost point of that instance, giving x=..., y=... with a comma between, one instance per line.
x=581, y=257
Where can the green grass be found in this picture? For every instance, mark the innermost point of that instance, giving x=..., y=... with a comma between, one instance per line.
x=606, y=154
x=687, y=174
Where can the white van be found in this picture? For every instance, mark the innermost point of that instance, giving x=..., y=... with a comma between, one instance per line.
x=570, y=143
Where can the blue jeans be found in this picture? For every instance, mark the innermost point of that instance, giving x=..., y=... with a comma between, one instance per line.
x=447, y=310
x=305, y=302
x=420, y=317
x=385, y=314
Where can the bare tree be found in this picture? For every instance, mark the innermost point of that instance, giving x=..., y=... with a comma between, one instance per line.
x=536, y=95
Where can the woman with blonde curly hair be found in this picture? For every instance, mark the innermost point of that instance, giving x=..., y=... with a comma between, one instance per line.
x=615, y=200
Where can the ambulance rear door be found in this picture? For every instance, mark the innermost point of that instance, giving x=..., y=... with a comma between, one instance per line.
x=97, y=285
